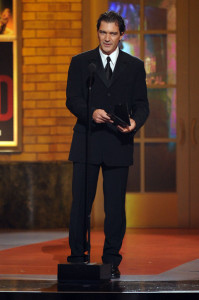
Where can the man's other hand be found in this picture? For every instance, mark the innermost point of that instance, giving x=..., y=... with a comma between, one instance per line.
x=100, y=116
x=127, y=128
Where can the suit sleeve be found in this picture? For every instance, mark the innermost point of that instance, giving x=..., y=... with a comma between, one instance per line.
x=140, y=107
x=75, y=98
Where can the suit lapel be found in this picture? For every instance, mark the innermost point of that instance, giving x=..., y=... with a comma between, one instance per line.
x=96, y=59
x=119, y=68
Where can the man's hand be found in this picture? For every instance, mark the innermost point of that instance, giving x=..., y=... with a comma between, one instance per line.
x=100, y=116
x=127, y=128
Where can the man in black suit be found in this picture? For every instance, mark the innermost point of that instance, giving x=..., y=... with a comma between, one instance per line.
x=119, y=79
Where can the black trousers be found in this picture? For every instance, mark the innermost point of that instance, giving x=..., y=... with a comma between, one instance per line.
x=114, y=187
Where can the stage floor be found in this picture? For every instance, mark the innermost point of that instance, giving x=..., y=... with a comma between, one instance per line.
x=154, y=261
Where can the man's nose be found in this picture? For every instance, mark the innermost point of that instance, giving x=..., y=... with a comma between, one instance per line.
x=107, y=37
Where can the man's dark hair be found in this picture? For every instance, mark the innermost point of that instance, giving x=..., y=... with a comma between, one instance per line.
x=112, y=17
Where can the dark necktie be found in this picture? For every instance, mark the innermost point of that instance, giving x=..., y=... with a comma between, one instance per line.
x=108, y=69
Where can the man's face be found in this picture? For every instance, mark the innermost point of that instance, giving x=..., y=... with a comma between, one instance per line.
x=109, y=37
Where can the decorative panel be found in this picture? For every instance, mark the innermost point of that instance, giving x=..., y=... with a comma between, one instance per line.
x=160, y=14
x=160, y=167
x=162, y=119
x=129, y=10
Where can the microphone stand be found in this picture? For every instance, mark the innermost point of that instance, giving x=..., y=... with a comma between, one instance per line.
x=83, y=273
x=91, y=68
x=88, y=133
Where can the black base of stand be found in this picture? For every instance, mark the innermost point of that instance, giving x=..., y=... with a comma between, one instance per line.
x=78, y=273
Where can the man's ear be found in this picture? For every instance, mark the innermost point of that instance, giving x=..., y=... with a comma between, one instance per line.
x=121, y=35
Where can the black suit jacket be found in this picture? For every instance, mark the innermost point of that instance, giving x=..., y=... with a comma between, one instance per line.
x=107, y=144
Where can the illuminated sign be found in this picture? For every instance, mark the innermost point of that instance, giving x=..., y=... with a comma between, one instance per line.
x=10, y=137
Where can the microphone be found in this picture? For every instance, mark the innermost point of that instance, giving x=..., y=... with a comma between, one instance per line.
x=91, y=69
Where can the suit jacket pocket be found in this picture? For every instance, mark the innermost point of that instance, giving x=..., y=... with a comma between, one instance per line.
x=79, y=128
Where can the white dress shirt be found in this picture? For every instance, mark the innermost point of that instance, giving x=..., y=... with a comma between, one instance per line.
x=113, y=56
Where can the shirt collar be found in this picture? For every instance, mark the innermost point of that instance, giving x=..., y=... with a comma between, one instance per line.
x=113, y=56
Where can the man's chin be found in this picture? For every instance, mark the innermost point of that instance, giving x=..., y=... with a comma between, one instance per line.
x=107, y=50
